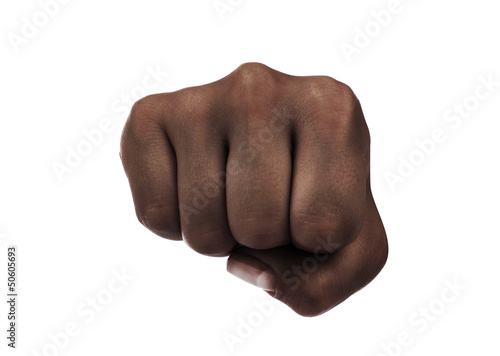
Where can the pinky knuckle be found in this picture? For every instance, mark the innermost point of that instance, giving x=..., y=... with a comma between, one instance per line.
x=143, y=116
x=313, y=302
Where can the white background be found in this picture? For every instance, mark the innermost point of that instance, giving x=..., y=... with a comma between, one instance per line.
x=442, y=221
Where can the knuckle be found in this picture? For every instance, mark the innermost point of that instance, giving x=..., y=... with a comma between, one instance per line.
x=145, y=109
x=192, y=115
x=322, y=90
x=256, y=85
x=314, y=301
x=253, y=70
x=325, y=94
x=192, y=104
x=142, y=120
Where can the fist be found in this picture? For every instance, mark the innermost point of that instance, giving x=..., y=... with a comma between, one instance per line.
x=268, y=168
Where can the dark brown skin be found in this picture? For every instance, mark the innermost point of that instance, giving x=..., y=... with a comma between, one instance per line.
x=268, y=168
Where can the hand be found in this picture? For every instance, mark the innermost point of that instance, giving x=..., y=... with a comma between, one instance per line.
x=268, y=168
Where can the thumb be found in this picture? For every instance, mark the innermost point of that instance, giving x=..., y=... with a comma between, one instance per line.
x=313, y=283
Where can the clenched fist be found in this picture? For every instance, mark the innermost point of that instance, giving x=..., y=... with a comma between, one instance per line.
x=268, y=168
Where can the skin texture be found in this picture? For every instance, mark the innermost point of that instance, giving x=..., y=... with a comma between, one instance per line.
x=268, y=168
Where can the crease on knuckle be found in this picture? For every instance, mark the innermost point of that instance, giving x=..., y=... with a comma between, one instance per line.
x=259, y=233
x=309, y=228
x=208, y=240
x=154, y=219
